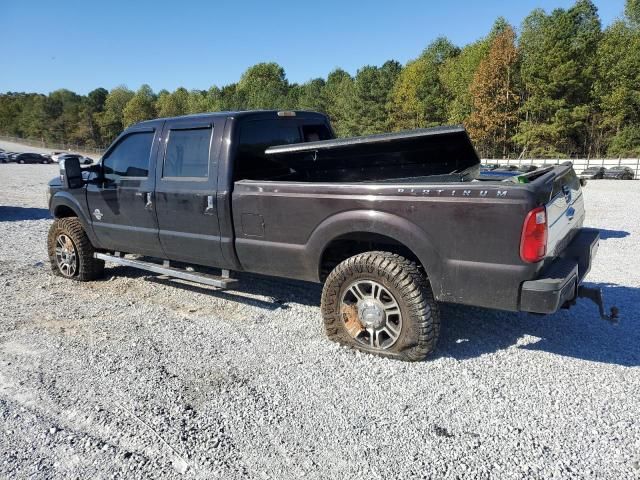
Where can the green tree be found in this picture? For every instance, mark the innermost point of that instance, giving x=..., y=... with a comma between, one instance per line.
x=198, y=102
x=558, y=73
x=368, y=108
x=311, y=96
x=263, y=86
x=173, y=104
x=11, y=105
x=339, y=91
x=617, y=88
x=34, y=115
x=419, y=98
x=96, y=99
x=93, y=106
x=140, y=107
x=457, y=72
x=495, y=101
x=456, y=75
x=111, y=119
x=632, y=12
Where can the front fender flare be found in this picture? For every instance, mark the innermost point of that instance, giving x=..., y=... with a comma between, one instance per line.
x=65, y=199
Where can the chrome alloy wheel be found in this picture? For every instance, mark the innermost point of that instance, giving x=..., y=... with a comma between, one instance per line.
x=371, y=314
x=66, y=256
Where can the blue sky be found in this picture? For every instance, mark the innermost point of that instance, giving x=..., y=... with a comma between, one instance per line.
x=81, y=45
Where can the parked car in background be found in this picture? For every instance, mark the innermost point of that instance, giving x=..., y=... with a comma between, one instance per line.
x=593, y=173
x=489, y=166
x=4, y=158
x=31, y=158
x=55, y=156
x=497, y=174
x=12, y=156
x=619, y=173
x=83, y=160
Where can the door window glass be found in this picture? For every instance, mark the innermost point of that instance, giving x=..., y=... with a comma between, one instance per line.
x=187, y=153
x=130, y=157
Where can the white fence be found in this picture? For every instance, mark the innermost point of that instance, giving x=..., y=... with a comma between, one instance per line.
x=579, y=164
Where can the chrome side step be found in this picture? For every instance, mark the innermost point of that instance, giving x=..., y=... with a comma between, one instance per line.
x=221, y=282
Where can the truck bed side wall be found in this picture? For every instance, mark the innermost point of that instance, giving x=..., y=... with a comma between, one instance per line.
x=466, y=236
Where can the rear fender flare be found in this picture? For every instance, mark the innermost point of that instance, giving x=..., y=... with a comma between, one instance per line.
x=382, y=223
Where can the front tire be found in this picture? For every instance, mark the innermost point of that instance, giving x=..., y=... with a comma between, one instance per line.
x=380, y=303
x=71, y=252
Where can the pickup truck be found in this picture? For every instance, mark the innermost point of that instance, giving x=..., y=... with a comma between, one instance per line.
x=391, y=224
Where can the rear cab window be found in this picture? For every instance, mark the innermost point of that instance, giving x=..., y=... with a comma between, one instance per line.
x=258, y=135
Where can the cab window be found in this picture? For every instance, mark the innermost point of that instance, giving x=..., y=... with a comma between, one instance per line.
x=255, y=137
x=130, y=157
x=187, y=153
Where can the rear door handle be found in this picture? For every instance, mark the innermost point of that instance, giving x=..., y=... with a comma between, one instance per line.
x=148, y=200
x=211, y=207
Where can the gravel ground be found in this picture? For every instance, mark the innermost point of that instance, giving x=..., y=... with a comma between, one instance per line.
x=138, y=377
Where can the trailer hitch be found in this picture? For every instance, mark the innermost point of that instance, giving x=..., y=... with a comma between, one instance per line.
x=595, y=295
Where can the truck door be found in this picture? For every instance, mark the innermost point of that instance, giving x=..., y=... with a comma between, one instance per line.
x=122, y=205
x=186, y=187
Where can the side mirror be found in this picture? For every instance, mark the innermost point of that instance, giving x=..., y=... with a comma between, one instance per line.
x=71, y=173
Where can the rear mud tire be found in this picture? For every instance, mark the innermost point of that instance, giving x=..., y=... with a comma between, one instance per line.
x=408, y=287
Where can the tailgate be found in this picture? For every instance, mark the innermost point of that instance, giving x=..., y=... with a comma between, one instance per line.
x=565, y=209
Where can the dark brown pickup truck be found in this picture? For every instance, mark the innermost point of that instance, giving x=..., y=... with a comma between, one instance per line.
x=392, y=224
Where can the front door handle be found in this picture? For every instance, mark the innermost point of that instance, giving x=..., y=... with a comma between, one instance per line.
x=211, y=208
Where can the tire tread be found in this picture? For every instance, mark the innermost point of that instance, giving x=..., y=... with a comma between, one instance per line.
x=89, y=268
x=415, y=293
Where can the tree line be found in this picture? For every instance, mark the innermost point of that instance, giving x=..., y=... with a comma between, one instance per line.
x=562, y=86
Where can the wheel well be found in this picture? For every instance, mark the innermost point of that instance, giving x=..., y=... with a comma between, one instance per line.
x=62, y=211
x=345, y=246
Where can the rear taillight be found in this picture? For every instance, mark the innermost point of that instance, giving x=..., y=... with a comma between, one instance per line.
x=533, y=243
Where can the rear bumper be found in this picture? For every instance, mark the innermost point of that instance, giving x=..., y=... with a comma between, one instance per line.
x=558, y=282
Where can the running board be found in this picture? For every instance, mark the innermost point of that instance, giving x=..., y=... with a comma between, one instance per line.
x=221, y=282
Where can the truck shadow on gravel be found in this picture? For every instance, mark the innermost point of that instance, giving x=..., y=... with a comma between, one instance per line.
x=580, y=333
x=606, y=234
x=467, y=332
x=281, y=292
x=17, y=214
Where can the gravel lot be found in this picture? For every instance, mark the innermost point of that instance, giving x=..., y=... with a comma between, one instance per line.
x=18, y=147
x=136, y=376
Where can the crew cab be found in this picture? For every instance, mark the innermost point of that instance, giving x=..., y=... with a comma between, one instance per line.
x=391, y=224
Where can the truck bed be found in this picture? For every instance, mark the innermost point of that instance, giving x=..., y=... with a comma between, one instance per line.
x=462, y=232
x=431, y=155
